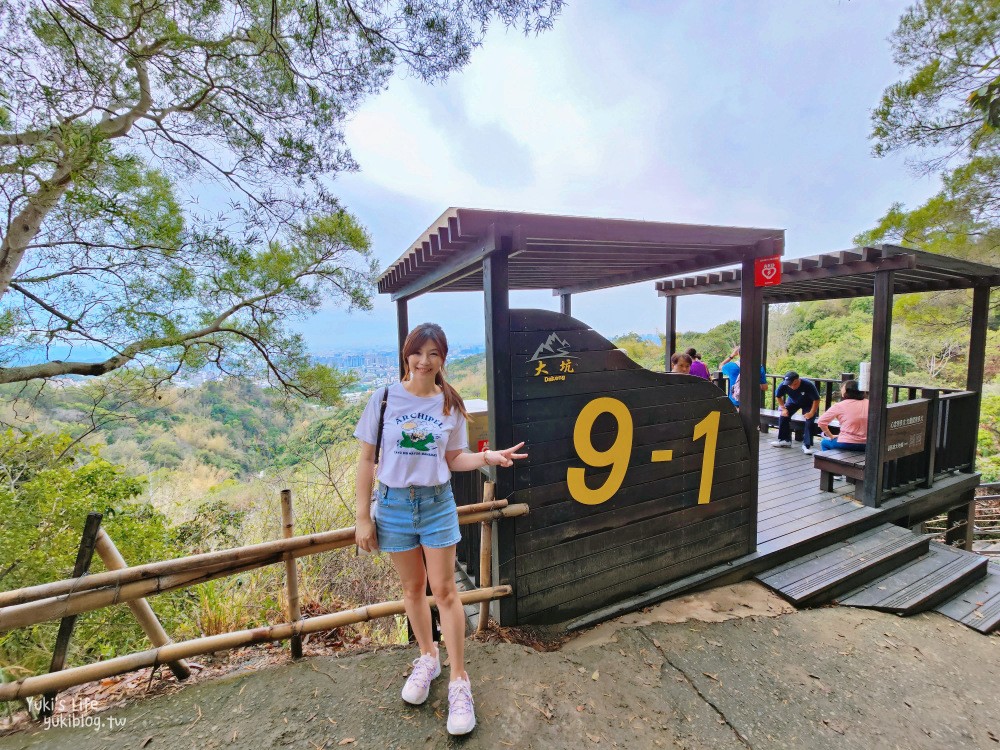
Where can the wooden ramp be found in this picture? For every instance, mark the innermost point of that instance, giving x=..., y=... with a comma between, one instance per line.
x=979, y=605
x=819, y=577
x=892, y=569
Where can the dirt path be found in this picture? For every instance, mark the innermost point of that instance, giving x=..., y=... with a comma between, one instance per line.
x=770, y=678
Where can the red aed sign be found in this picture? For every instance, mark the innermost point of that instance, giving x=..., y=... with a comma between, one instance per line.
x=767, y=271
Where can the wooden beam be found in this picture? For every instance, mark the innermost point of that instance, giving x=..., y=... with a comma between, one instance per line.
x=402, y=329
x=751, y=317
x=499, y=394
x=977, y=352
x=291, y=571
x=671, y=329
x=88, y=541
x=140, y=608
x=791, y=274
x=722, y=258
x=764, y=325
x=566, y=304
x=458, y=264
x=878, y=384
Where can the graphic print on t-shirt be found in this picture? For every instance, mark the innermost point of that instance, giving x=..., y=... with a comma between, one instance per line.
x=420, y=435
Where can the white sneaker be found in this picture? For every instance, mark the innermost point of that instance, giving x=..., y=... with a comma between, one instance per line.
x=418, y=684
x=461, y=712
x=807, y=450
x=781, y=443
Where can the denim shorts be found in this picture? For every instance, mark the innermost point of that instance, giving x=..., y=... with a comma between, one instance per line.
x=410, y=517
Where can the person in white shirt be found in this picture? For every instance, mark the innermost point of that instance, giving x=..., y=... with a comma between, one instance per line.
x=413, y=516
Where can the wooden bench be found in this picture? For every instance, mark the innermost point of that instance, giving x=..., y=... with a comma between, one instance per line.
x=850, y=464
x=769, y=418
x=906, y=425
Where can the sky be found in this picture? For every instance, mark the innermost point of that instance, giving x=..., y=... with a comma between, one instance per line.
x=705, y=112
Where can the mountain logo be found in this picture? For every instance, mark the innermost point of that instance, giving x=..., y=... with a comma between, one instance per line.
x=554, y=346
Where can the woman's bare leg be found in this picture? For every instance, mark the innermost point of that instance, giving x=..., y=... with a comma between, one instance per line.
x=412, y=574
x=441, y=574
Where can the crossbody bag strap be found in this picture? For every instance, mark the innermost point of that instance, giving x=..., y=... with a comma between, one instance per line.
x=381, y=420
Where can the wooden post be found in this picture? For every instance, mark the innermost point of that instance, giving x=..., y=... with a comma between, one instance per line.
x=977, y=355
x=961, y=524
x=751, y=318
x=113, y=560
x=671, y=332
x=930, y=439
x=402, y=328
x=499, y=394
x=486, y=559
x=291, y=571
x=83, y=557
x=878, y=384
x=566, y=304
x=764, y=324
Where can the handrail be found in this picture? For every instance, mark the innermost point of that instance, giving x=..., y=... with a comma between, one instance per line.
x=86, y=598
x=37, y=604
x=41, y=684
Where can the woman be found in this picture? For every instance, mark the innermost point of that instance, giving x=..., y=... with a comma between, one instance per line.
x=680, y=363
x=698, y=368
x=415, y=519
x=851, y=412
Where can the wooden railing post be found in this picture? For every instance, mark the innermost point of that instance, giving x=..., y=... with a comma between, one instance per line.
x=486, y=559
x=140, y=608
x=83, y=557
x=930, y=441
x=291, y=571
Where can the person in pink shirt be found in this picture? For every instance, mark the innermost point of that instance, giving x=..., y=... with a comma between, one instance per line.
x=698, y=367
x=852, y=414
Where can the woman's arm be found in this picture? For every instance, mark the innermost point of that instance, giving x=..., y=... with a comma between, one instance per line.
x=825, y=418
x=364, y=530
x=461, y=460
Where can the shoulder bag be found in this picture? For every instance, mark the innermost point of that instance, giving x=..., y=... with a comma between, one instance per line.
x=378, y=448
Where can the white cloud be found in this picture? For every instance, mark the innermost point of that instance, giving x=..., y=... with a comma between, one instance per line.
x=752, y=114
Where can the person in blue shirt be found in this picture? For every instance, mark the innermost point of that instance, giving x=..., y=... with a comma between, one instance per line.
x=731, y=370
x=796, y=394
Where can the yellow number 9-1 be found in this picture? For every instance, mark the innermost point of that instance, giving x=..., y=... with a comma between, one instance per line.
x=617, y=456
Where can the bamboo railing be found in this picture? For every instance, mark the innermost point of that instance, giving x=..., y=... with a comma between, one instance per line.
x=61, y=599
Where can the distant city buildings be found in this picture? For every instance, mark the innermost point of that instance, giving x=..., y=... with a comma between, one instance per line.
x=379, y=367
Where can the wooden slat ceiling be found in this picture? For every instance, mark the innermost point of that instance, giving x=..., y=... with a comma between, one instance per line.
x=846, y=274
x=566, y=253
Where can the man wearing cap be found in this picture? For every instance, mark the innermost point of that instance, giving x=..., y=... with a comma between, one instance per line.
x=796, y=394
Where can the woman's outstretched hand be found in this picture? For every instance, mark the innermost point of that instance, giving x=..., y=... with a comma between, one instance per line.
x=507, y=456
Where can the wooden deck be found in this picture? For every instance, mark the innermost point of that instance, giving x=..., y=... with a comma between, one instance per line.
x=791, y=506
x=795, y=517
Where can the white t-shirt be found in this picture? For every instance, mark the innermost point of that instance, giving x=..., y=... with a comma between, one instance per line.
x=415, y=435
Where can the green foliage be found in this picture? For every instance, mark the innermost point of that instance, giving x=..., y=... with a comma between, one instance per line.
x=468, y=376
x=649, y=354
x=988, y=463
x=47, y=488
x=948, y=51
x=249, y=99
x=714, y=345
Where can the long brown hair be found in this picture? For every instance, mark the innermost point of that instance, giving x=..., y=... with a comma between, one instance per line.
x=415, y=339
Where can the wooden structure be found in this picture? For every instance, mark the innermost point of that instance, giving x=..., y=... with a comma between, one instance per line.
x=634, y=478
x=68, y=598
x=881, y=272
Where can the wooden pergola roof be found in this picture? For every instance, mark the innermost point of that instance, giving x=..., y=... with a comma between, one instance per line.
x=567, y=254
x=846, y=274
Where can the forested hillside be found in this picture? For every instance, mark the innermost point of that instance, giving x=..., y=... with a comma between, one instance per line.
x=189, y=470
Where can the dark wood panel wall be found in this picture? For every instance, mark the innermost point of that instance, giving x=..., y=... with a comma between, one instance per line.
x=634, y=478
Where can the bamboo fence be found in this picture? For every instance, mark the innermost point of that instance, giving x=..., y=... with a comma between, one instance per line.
x=131, y=585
